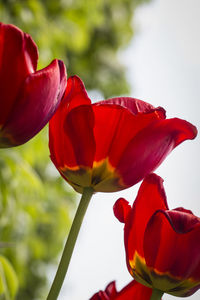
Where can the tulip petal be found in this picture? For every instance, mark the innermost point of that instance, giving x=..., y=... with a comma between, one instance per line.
x=62, y=152
x=151, y=197
x=79, y=128
x=135, y=106
x=111, y=289
x=173, y=255
x=134, y=290
x=149, y=147
x=115, y=127
x=72, y=144
x=37, y=102
x=182, y=220
x=75, y=94
x=79, y=139
x=110, y=293
x=121, y=209
x=18, y=59
x=100, y=296
x=191, y=291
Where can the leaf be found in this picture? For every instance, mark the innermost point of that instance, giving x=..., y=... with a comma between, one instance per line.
x=8, y=280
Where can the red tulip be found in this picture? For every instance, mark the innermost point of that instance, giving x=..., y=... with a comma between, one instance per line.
x=162, y=245
x=133, y=291
x=113, y=144
x=29, y=98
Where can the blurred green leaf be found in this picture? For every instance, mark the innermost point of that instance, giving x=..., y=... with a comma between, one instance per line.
x=35, y=209
x=8, y=280
x=85, y=34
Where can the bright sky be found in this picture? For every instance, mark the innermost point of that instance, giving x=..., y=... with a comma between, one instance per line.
x=163, y=64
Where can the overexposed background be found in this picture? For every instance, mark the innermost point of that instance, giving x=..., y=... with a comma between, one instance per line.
x=163, y=67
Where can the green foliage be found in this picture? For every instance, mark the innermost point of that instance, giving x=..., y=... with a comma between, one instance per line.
x=35, y=202
x=34, y=213
x=8, y=280
x=86, y=34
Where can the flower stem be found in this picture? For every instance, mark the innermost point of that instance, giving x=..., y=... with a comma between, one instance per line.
x=70, y=243
x=156, y=294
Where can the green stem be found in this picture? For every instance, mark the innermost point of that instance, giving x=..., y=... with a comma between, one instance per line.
x=156, y=294
x=69, y=246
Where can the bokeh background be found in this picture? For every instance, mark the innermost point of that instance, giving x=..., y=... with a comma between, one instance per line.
x=146, y=49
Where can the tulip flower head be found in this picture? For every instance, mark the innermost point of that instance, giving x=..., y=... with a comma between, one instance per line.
x=134, y=291
x=162, y=246
x=113, y=144
x=29, y=98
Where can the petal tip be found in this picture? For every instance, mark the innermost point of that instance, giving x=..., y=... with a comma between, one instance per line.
x=154, y=178
x=161, y=111
x=183, y=130
x=121, y=209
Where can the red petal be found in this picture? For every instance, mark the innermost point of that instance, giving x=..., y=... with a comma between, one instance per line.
x=75, y=94
x=115, y=127
x=136, y=291
x=121, y=209
x=151, y=197
x=168, y=250
x=110, y=293
x=79, y=129
x=111, y=289
x=135, y=106
x=63, y=80
x=60, y=144
x=133, y=290
x=18, y=58
x=100, y=296
x=182, y=220
x=37, y=102
x=149, y=147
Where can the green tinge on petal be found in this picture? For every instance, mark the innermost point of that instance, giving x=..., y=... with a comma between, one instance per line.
x=158, y=280
x=78, y=178
x=102, y=177
x=140, y=271
x=105, y=177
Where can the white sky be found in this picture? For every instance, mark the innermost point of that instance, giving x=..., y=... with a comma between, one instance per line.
x=163, y=62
